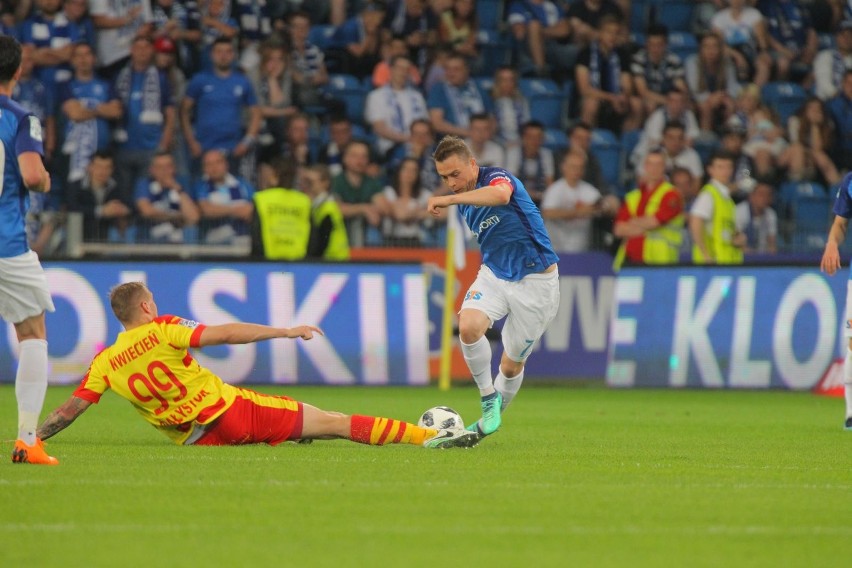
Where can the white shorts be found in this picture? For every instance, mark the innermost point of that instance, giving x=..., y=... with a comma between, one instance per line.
x=23, y=288
x=530, y=303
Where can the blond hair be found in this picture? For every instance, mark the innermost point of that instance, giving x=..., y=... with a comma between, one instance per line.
x=451, y=146
x=124, y=298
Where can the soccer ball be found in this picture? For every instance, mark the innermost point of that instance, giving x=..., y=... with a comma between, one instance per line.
x=441, y=417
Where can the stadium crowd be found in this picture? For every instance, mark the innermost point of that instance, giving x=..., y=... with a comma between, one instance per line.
x=165, y=121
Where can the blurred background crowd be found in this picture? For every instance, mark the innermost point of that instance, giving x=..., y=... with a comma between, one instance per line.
x=166, y=121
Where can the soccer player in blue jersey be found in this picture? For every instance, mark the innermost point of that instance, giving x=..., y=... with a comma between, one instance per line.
x=518, y=278
x=830, y=264
x=24, y=296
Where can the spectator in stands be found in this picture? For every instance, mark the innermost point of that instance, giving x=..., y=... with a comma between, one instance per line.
x=116, y=24
x=487, y=152
x=340, y=135
x=391, y=109
x=148, y=119
x=37, y=98
x=733, y=141
x=359, y=195
x=569, y=204
x=676, y=109
x=436, y=72
x=511, y=107
x=106, y=210
x=88, y=105
x=746, y=107
x=420, y=146
x=765, y=145
x=650, y=221
x=453, y=102
x=831, y=64
x=538, y=26
x=604, y=83
x=357, y=43
x=255, y=25
x=712, y=219
x=392, y=48
x=276, y=101
x=218, y=99
x=165, y=58
x=407, y=214
x=329, y=240
x=179, y=22
x=53, y=37
x=296, y=147
x=677, y=151
x=580, y=140
x=840, y=109
x=281, y=228
x=586, y=16
x=757, y=221
x=744, y=30
x=458, y=27
x=792, y=39
x=76, y=12
x=309, y=69
x=532, y=163
x=412, y=21
x=688, y=187
x=162, y=203
x=712, y=80
x=656, y=71
x=216, y=23
x=225, y=201
x=811, y=134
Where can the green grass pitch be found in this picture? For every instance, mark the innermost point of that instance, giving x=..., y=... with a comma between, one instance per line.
x=575, y=477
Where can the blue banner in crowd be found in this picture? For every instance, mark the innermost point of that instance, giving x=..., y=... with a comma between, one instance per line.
x=374, y=318
x=725, y=327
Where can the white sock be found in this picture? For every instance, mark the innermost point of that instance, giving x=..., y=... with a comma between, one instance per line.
x=478, y=357
x=847, y=382
x=30, y=387
x=508, y=387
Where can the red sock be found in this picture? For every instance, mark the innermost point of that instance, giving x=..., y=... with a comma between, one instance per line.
x=379, y=431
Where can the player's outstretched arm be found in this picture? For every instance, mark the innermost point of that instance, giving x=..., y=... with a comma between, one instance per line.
x=490, y=196
x=831, y=257
x=62, y=417
x=239, y=333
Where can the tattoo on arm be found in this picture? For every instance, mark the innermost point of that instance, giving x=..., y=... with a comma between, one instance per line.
x=62, y=417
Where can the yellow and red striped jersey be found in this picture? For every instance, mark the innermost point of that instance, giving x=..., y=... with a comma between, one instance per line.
x=151, y=367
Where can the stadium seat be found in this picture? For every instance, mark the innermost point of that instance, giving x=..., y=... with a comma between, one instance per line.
x=320, y=35
x=485, y=84
x=555, y=140
x=683, y=44
x=546, y=101
x=705, y=148
x=607, y=149
x=826, y=41
x=494, y=51
x=489, y=14
x=812, y=218
x=638, y=15
x=351, y=91
x=638, y=38
x=675, y=14
x=784, y=98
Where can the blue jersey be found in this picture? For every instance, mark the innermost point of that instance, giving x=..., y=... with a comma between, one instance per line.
x=843, y=202
x=20, y=132
x=512, y=237
x=219, y=103
x=56, y=33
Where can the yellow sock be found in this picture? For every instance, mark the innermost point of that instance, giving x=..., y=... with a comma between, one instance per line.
x=379, y=431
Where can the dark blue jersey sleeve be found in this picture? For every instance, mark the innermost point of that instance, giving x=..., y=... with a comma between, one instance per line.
x=843, y=202
x=29, y=137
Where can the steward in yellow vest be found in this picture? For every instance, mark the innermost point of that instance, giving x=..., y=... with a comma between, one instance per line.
x=712, y=223
x=329, y=240
x=283, y=216
x=650, y=220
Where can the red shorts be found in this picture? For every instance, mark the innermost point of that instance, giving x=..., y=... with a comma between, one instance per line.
x=255, y=418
